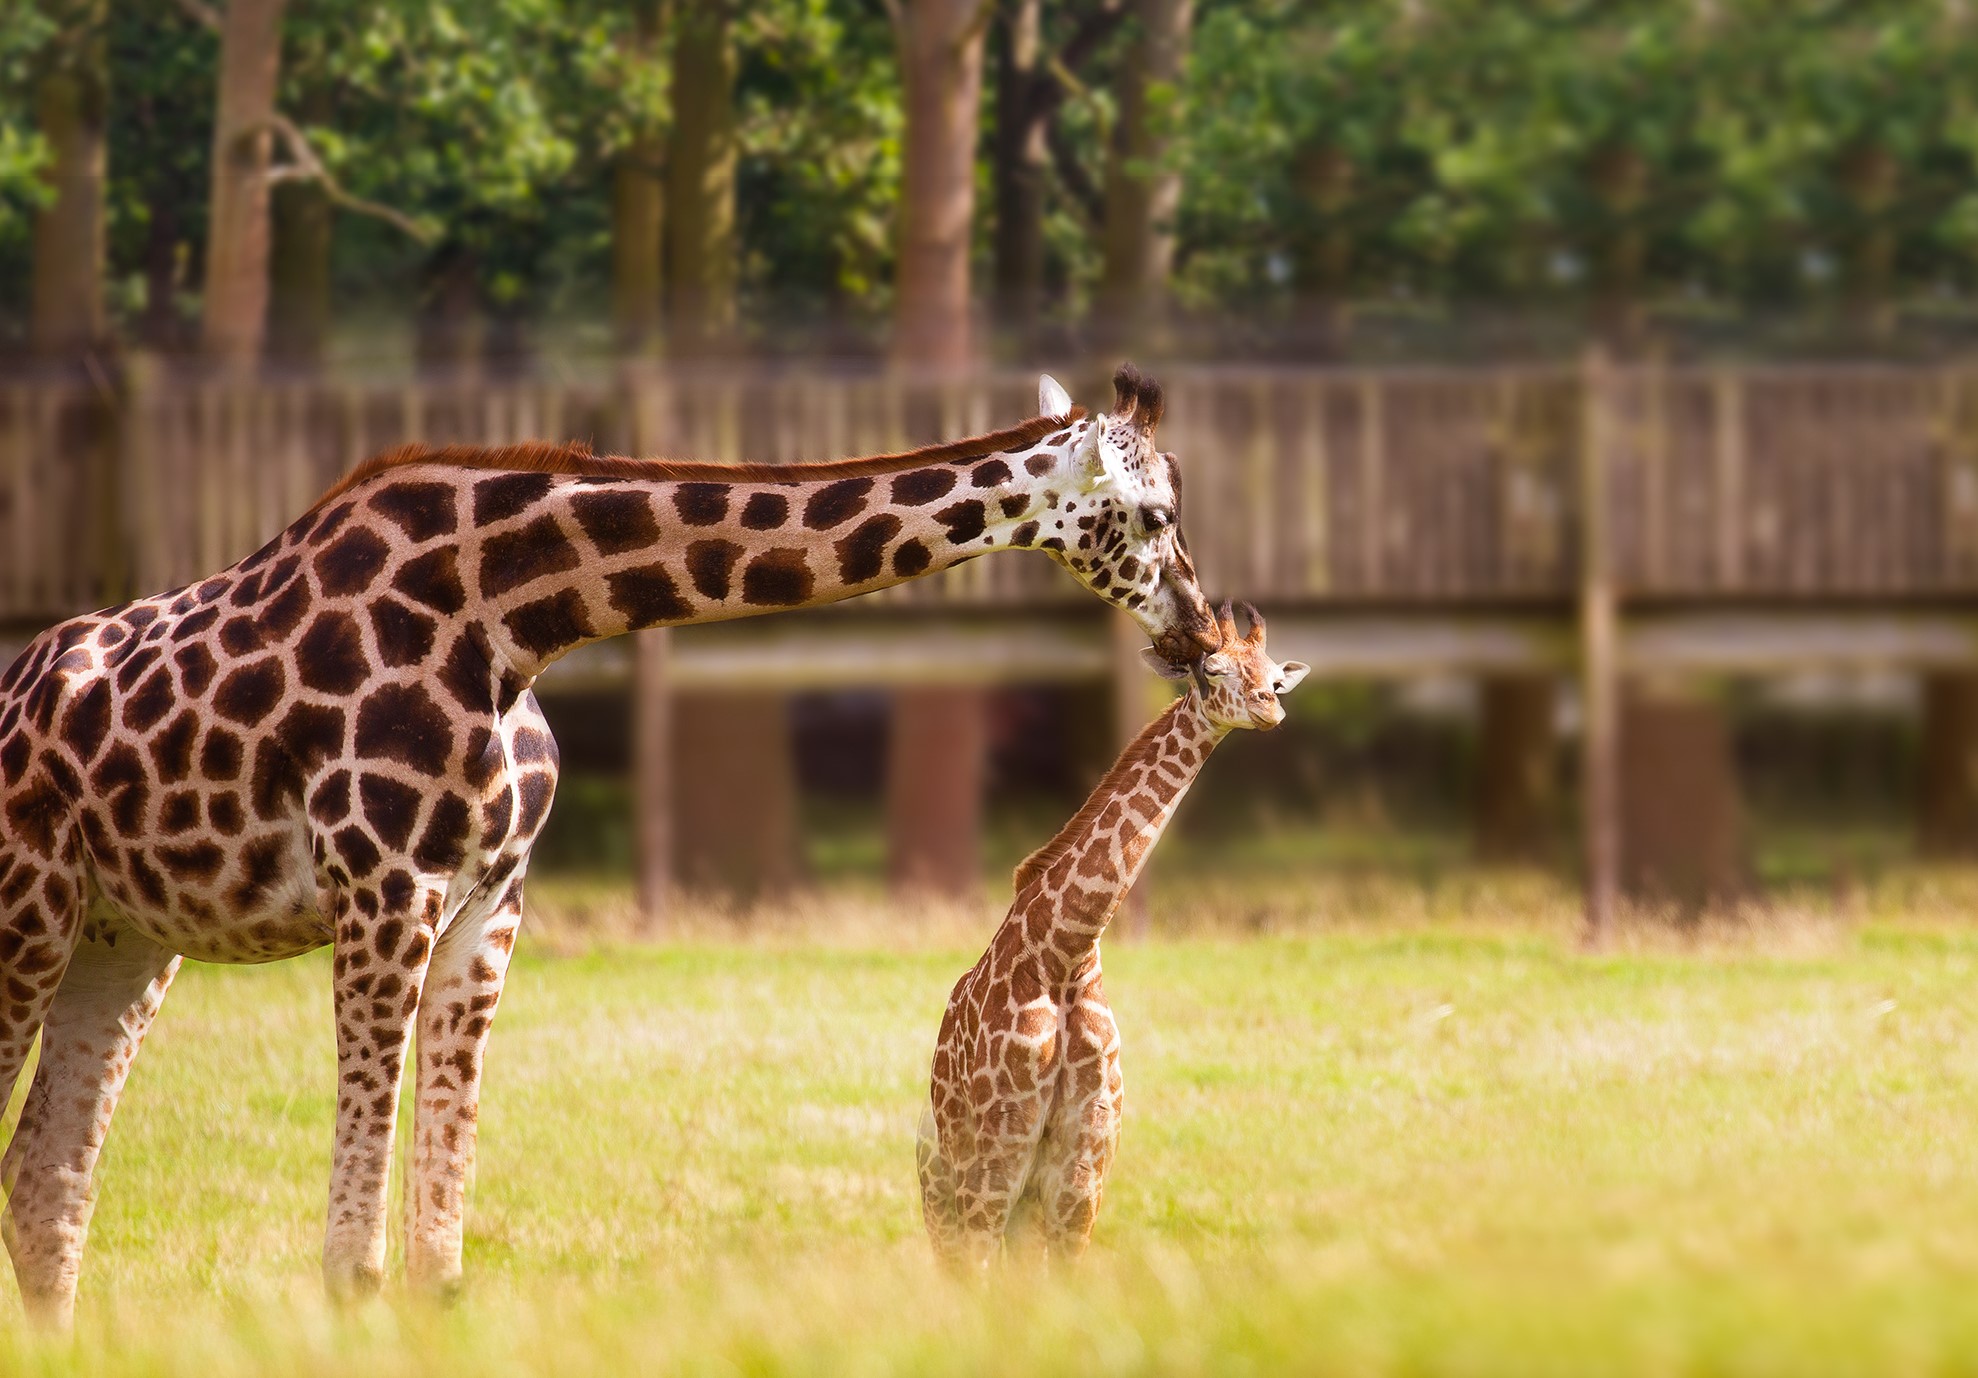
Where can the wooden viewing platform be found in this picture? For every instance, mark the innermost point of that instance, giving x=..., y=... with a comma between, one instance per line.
x=1509, y=523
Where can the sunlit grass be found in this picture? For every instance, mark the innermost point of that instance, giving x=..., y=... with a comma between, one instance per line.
x=1389, y=1131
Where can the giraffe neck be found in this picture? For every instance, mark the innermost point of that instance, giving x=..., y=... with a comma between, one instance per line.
x=552, y=561
x=1068, y=891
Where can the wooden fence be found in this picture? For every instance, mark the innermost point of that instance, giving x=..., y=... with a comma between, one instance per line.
x=1666, y=513
x=1317, y=488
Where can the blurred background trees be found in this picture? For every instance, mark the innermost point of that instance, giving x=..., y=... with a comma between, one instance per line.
x=365, y=180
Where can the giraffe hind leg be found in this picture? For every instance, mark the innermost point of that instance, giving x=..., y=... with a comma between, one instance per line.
x=939, y=1210
x=108, y=998
x=1084, y=1137
x=456, y=1014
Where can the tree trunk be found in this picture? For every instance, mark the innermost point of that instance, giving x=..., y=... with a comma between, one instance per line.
x=735, y=793
x=637, y=219
x=941, y=67
x=700, y=178
x=1021, y=155
x=299, y=273
x=1142, y=191
x=160, y=327
x=638, y=206
x=1620, y=184
x=1947, y=813
x=1869, y=175
x=237, y=242
x=1517, y=769
x=935, y=762
x=1327, y=180
x=448, y=329
x=71, y=106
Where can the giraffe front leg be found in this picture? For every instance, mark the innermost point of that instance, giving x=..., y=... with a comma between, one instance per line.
x=383, y=943
x=108, y=997
x=456, y=1014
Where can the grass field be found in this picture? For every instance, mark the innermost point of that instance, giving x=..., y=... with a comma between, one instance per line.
x=1444, y=1142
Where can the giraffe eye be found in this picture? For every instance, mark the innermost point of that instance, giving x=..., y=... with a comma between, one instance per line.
x=1155, y=518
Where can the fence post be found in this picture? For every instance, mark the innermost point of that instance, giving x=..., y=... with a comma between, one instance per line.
x=652, y=772
x=1599, y=659
x=652, y=715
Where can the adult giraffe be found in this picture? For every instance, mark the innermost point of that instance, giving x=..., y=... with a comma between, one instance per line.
x=335, y=741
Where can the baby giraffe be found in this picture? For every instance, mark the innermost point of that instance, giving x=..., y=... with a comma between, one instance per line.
x=1024, y=1112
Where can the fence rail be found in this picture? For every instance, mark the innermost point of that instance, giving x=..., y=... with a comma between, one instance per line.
x=1303, y=487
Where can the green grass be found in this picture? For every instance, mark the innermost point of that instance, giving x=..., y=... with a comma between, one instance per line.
x=1440, y=1143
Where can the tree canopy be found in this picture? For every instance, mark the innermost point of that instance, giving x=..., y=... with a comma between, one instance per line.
x=1355, y=174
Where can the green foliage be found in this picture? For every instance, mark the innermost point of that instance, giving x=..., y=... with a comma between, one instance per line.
x=23, y=35
x=1746, y=154
x=820, y=129
x=1742, y=157
x=162, y=68
x=475, y=122
x=24, y=31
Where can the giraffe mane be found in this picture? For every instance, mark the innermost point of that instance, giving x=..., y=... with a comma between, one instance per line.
x=1142, y=748
x=545, y=457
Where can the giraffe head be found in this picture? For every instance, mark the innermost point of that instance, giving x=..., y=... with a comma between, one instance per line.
x=1120, y=533
x=1239, y=685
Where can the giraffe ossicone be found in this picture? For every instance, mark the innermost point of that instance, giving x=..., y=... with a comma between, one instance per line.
x=1025, y=1095
x=335, y=741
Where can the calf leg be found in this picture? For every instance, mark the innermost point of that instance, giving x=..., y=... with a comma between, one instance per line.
x=1071, y=1174
x=940, y=1212
x=383, y=941
x=109, y=996
x=991, y=1178
x=456, y=1014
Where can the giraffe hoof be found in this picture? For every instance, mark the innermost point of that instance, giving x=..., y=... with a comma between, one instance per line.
x=50, y=1313
x=354, y=1282
x=443, y=1290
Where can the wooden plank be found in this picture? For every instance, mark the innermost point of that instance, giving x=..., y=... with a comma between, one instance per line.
x=822, y=650
x=14, y=460
x=1728, y=395
x=1260, y=487
x=1403, y=645
x=1653, y=383
x=1373, y=459
x=1957, y=478
x=1317, y=506
x=1599, y=665
x=212, y=483
x=1710, y=641
x=37, y=497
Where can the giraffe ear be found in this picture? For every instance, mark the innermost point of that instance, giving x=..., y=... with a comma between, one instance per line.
x=1158, y=663
x=1052, y=399
x=1289, y=675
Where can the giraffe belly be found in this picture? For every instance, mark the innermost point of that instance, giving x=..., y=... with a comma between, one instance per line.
x=251, y=899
